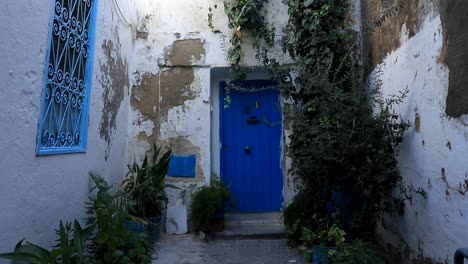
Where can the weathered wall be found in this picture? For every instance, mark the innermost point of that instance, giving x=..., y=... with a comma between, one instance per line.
x=423, y=49
x=152, y=83
x=36, y=192
x=171, y=96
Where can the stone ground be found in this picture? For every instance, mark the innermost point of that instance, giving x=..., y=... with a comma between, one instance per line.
x=189, y=249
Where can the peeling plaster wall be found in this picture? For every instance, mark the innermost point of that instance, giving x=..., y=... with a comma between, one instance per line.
x=151, y=84
x=434, y=155
x=171, y=96
x=36, y=192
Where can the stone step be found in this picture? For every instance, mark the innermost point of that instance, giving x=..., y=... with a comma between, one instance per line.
x=235, y=223
x=253, y=216
x=258, y=225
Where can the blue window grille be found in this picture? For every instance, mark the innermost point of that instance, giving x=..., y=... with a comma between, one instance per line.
x=63, y=119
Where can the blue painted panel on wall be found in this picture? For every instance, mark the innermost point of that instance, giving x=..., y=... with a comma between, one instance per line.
x=182, y=166
x=251, y=146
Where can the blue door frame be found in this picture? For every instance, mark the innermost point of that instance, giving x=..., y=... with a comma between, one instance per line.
x=250, y=133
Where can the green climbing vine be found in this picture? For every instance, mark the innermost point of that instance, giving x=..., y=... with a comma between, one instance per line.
x=246, y=20
x=345, y=135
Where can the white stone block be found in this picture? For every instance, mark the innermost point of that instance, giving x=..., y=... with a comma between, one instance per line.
x=176, y=219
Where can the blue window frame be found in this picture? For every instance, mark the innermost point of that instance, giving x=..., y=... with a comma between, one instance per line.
x=63, y=121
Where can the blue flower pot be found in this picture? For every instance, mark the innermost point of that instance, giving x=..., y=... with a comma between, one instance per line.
x=152, y=227
x=320, y=254
x=135, y=227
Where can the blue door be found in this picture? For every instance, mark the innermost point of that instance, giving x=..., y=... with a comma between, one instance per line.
x=250, y=147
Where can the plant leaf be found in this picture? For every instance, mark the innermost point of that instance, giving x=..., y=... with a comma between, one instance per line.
x=22, y=256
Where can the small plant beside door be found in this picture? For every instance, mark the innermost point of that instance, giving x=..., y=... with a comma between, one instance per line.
x=143, y=193
x=208, y=206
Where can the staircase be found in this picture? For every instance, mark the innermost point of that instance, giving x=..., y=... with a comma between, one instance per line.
x=258, y=225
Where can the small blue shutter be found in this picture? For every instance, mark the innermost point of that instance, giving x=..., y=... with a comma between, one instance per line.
x=63, y=119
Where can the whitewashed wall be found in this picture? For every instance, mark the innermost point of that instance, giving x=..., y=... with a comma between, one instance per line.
x=36, y=192
x=159, y=51
x=434, y=154
x=173, y=62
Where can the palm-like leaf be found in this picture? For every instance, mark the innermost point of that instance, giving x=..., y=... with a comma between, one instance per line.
x=144, y=185
x=29, y=253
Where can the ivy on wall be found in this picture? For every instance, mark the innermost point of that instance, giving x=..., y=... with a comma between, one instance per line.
x=246, y=20
x=345, y=138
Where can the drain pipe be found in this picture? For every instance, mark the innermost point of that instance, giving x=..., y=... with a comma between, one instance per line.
x=460, y=255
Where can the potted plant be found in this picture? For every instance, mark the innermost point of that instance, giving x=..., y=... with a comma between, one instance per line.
x=208, y=206
x=323, y=241
x=224, y=195
x=144, y=194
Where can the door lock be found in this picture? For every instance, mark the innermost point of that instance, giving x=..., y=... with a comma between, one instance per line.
x=247, y=149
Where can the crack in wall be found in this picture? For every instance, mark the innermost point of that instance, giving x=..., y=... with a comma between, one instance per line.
x=387, y=38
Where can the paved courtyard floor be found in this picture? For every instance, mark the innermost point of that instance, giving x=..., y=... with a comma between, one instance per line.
x=189, y=249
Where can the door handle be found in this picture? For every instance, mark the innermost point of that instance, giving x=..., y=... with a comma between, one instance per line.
x=247, y=149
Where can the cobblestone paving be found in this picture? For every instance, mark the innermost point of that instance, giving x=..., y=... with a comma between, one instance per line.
x=187, y=249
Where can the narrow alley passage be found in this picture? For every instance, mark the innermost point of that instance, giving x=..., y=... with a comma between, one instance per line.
x=188, y=249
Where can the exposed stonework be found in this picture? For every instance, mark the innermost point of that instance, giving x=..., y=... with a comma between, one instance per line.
x=142, y=32
x=387, y=37
x=155, y=94
x=145, y=100
x=145, y=96
x=455, y=55
x=176, y=86
x=184, y=52
x=114, y=81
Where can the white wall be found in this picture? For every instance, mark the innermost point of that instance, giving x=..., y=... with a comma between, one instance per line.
x=36, y=192
x=190, y=120
x=434, y=227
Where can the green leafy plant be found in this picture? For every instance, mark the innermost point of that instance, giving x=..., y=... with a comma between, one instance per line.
x=71, y=247
x=104, y=239
x=345, y=136
x=144, y=185
x=327, y=233
x=205, y=204
x=224, y=193
x=113, y=242
x=245, y=17
x=324, y=239
x=295, y=216
x=357, y=252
